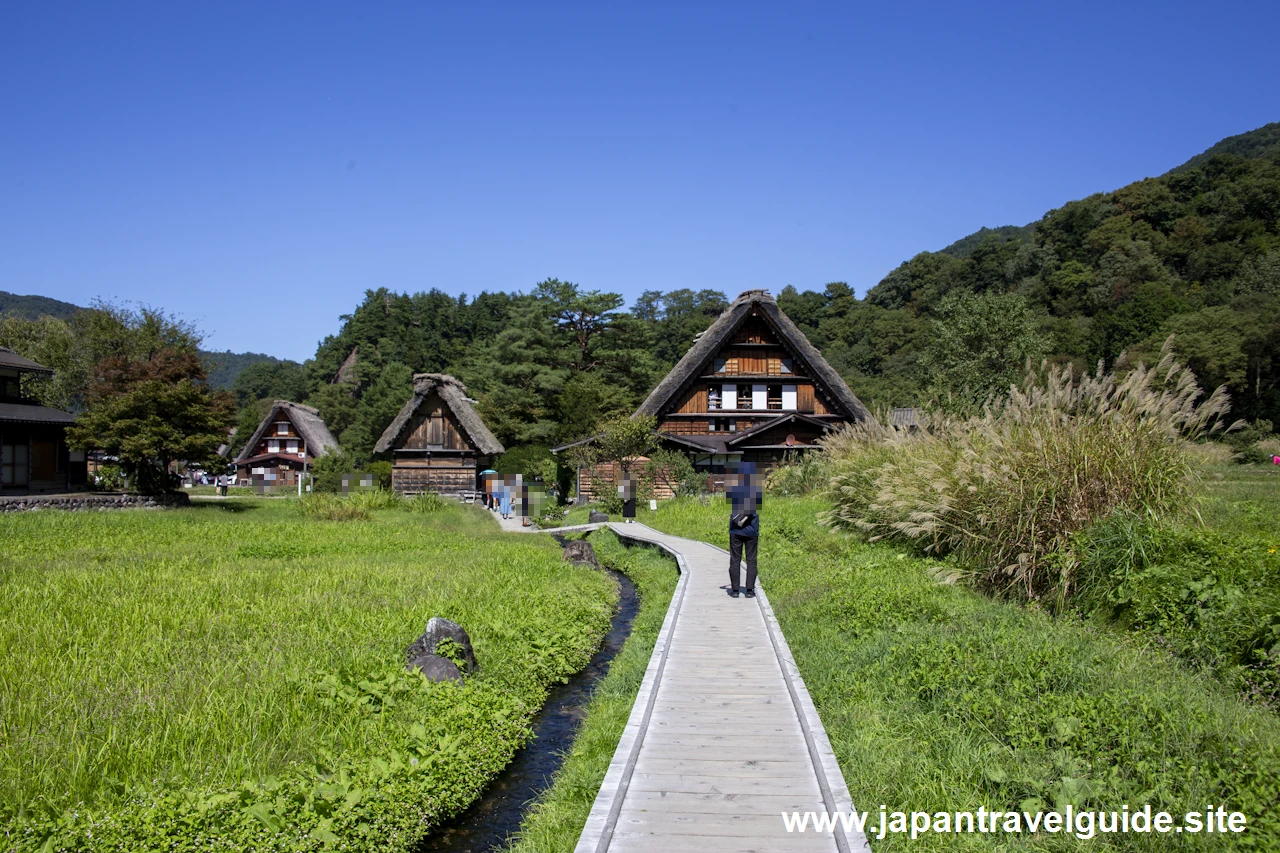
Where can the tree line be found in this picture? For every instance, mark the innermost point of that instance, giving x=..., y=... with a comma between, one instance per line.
x=1194, y=254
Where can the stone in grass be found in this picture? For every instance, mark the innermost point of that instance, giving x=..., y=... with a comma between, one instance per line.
x=596, y=517
x=442, y=629
x=437, y=668
x=580, y=552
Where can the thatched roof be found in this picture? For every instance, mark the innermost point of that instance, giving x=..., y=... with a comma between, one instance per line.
x=720, y=334
x=306, y=421
x=454, y=395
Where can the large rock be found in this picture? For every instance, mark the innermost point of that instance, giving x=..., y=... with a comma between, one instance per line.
x=437, y=668
x=442, y=629
x=596, y=517
x=578, y=551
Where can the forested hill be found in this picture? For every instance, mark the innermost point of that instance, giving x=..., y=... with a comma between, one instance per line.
x=1195, y=252
x=1260, y=144
x=223, y=367
x=35, y=307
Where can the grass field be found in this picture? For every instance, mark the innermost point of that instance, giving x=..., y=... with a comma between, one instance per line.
x=938, y=698
x=556, y=820
x=231, y=676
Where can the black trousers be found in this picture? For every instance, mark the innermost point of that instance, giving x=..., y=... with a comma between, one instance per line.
x=736, y=544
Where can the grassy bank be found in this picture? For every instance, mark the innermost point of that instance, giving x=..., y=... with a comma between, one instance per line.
x=230, y=676
x=937, y=698
x=556, y=820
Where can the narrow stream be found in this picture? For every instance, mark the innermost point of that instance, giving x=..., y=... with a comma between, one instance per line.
x=489, y=821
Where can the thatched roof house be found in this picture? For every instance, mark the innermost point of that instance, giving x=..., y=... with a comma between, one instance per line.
x=438, y=440
x=751, y=388
x=285, y=443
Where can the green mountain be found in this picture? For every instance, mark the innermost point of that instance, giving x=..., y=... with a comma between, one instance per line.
x=35, y=307
x=1260, y=144
x=965, y=246
x=1194, y=253
x=223, y=367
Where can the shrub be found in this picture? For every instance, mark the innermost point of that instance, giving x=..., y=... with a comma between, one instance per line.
x=376, y=498
x=1245, y=441
x=326, y=507
x=108, y=478
x=327, y=471
x=1211, y=598
x=1007, y=490
x=381, y=471
x=1268, y=448
x=808, y=472
x=425, y=502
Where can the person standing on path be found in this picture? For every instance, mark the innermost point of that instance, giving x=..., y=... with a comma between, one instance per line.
x=504, y=500
x=745, y=492
x=627, y=491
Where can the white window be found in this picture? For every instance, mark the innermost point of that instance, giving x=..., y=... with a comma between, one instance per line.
x=788, y=398
x=759, y=396
x=729, y=395
x=293, y=445
x=273, y=446
x=786, y=366
x=282, y=427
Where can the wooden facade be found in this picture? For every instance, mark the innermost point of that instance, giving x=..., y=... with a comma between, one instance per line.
x=34, y=456
x=753, y=370
x=752, y=388
x=283, y=448
x=438, y=442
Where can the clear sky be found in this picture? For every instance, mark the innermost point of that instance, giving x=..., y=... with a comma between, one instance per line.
x=255, y=167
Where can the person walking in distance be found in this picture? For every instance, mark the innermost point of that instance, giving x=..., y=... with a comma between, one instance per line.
x=745, y=493
x=627, y=491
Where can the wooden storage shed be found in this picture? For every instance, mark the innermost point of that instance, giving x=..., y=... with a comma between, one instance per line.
x=438, y=441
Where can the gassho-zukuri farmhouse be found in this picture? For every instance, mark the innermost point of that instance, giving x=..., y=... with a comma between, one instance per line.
x=752, y=388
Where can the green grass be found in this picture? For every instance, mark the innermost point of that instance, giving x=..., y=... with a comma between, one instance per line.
x=212, y=491
x=556, y=820
x=1204, y=586
x=230, y=676
x=1243, y=499
x=938, y=698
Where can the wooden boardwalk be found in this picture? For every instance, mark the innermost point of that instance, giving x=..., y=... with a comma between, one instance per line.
x=723, y=737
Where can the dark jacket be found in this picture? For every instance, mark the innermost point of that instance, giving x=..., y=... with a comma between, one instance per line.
x=745, y=499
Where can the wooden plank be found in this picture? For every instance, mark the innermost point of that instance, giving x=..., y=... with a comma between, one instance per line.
x=726, y=737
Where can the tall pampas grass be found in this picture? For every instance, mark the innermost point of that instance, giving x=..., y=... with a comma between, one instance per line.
x=1006, y=490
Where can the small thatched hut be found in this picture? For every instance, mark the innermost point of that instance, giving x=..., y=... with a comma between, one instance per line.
x=289, y=438
x=438, y=441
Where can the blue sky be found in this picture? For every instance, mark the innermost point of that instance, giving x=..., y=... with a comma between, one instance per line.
x=255, y=167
